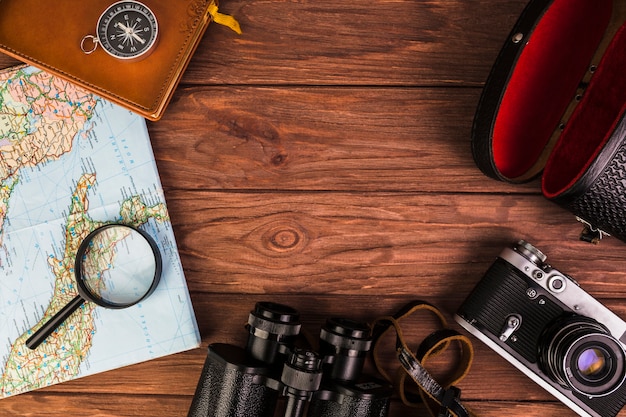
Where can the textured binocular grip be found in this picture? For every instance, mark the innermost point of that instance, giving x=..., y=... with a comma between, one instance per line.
x=200, y=403
x=231, y=385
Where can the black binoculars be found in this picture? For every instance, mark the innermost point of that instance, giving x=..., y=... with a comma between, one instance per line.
x=238, y=382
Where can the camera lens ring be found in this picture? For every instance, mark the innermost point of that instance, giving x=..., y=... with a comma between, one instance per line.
x=609, y=378
x=566, y=340
x=591, y=362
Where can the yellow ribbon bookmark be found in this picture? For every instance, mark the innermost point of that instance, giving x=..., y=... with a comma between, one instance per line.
x=223, y=19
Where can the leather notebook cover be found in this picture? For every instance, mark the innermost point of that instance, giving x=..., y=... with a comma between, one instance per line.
x=48, y=35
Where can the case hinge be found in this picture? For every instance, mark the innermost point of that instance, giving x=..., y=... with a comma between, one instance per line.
x=591, y=233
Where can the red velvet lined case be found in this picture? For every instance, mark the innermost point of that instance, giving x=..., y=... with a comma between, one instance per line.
x=555, y=102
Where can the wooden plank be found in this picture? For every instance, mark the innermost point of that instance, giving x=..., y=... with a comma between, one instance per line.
x=121, y=405
x=140, y=406
x=360, y=42
x=355, y=243
x=357, y=139
x=526, y=409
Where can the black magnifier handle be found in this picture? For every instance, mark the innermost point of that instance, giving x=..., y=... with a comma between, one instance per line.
x=50, y=326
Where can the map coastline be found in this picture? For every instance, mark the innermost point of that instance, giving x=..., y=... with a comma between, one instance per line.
x=70, y=162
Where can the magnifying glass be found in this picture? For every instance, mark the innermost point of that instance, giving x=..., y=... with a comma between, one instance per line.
x=116, y=267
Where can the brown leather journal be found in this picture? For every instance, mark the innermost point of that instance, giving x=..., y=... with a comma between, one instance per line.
x=52, y=36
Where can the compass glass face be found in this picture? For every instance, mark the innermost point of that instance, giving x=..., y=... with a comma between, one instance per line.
x=127, y=30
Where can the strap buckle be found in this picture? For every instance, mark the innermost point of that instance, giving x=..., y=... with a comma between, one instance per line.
x=442, y=398
x=450, y=397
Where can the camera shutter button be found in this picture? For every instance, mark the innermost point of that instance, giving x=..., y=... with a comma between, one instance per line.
x=557, y=284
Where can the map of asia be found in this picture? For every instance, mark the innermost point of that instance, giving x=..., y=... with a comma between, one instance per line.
x=69, y=163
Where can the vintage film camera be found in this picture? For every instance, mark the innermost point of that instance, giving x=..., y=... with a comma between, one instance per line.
x=238, y=382
x=541, y=321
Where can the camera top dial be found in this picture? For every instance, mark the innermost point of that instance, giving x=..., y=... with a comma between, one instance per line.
x=531, y=253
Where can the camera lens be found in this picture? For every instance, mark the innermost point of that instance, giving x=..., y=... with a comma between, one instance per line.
x=581, y=355
x=272, y=326
x=345, y=343
x=593, y=363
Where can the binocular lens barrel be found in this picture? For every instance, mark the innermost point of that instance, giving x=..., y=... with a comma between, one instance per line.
x=346, y=342
x=302, y=376
x=272, y=326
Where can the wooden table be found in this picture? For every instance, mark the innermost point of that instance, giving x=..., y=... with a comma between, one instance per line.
x=322, y=160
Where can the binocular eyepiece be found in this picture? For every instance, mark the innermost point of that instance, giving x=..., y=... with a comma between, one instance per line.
x=273, y=328
x=345, y=343
x=249, y=382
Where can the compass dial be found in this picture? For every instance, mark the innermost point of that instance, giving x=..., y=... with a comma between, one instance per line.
x=127, y=30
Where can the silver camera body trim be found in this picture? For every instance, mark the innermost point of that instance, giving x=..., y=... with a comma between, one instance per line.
x=526, y=370
x=567, y=292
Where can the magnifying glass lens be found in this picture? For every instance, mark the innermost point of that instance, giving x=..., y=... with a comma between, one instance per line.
x=118, y=266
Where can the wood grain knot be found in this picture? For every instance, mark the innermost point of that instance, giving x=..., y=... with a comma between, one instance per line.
x=284, y=238
x=279, y=159
x=252, y=129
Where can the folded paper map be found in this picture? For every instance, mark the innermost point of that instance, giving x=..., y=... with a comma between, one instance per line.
x=69, y=163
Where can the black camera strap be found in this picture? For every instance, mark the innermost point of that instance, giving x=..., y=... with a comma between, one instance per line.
x=441, y=399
